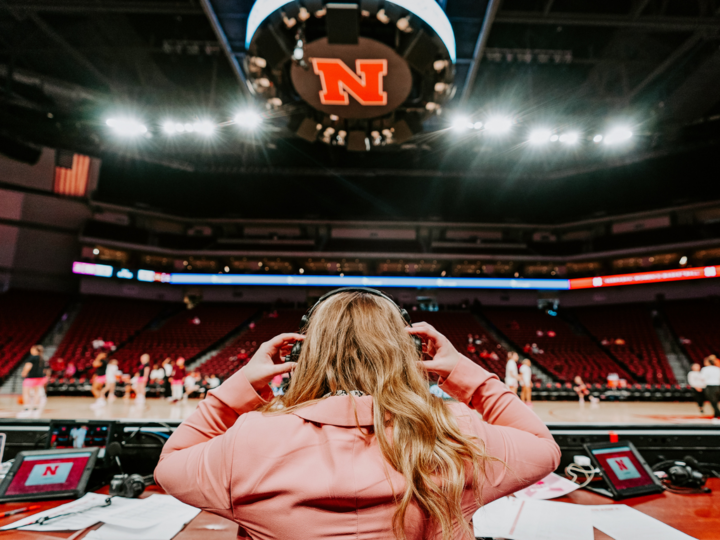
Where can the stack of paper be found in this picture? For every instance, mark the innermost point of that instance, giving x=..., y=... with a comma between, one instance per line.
x=527, y=519
x=624, y=523
x=158, y=517
x=550, y=487
x=518, y=519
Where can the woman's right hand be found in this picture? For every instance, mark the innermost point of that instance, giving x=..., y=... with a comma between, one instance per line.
x=444, y=355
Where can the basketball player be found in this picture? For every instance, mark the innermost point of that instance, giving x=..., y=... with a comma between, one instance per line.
x=33, y=375
x=696, y=380
x=143, y=378
x=98, y=380
x=511, y=372
x=108, y=391
x=526, y=382
x=178, y=379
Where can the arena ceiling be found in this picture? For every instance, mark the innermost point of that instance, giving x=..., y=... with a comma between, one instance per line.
x=65, y=65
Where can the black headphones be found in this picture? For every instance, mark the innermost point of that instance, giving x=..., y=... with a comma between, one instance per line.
x=297, y=348
x=684, y=477
x=130, y=486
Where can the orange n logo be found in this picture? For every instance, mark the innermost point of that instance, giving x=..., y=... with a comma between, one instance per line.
x=52, y=471
x=339, y=82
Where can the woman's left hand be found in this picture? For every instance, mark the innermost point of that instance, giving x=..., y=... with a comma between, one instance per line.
x=267, y=361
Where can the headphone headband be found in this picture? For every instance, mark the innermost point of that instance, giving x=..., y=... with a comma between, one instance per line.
x=403, y=313
x=295, y=354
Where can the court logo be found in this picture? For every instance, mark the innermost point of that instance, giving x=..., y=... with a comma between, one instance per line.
x=49, y=473
x=338, y=81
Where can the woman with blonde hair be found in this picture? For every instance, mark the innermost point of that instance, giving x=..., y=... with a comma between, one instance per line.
x=357, y=447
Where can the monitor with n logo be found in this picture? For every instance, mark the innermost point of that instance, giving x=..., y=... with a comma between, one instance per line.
x=48, y=474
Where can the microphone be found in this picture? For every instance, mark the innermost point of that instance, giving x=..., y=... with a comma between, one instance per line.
x=113, y=451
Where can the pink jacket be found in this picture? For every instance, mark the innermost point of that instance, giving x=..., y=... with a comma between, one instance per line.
x=313, y=475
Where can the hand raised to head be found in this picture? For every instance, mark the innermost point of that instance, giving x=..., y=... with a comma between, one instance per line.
x=267, y=360
x=444, y=356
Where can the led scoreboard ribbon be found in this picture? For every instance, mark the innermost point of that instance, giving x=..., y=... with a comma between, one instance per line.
x=660, y=276
x=150, y=276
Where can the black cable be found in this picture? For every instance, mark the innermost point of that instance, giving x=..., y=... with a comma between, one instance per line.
x=45, y=519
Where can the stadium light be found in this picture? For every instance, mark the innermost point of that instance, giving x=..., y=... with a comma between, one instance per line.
x=169, y=128
x=498, y=124
x=248, y=119
x=683, y=260
x=204, y=127
x=539, y=136
x=126, y=126
x=571, y=137
x=461, y=123
x=597, y=138
x=618, y=135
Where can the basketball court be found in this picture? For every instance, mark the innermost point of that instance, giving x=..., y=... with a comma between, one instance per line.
x=552, y=412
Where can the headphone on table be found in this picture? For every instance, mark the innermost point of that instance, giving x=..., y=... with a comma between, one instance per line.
x=130, y=486
x=685, y=477
x=297, y=347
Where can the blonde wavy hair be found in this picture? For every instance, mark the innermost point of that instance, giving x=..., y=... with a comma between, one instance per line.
x=357, y=341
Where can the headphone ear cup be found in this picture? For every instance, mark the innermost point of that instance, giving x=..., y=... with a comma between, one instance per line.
x=406, y=316
x=418, y=344
x=295, y=352
x=135, y=486
x=304, y=321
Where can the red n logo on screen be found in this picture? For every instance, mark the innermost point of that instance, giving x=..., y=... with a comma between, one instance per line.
x=621, y=465
x=51, y=470
x=339, y=82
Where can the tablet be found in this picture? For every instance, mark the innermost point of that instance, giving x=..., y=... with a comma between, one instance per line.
x=48, y=474
x=624, y=469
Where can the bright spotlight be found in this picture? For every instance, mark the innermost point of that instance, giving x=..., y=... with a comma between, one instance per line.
x=554, y=138
x=572, y=137
x=180, y=128
x=204, y=127
x=248, y=119
x=498, y=124
x=461, y=123
x=539, y=136
x=169, y=128
x=683, y=260
x=618, y=135
x=597, y=138
x=126, y=126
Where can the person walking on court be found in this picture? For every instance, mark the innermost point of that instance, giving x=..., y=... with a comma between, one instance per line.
x=511, y=372
x=526, y=382
x=33, y=388
x=696, y=380
x=711, y=375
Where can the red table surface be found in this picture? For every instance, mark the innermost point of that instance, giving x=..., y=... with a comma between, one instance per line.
x=696, y=515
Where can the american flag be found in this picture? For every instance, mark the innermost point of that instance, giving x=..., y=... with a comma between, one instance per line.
x=73, y=181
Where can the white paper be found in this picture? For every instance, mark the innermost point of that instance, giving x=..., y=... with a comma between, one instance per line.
x=90, y=509
x=160, y=517
x=495, y=519
x=550, y=487
x=161, y=531
x=625, y=523
x=153, y=510
x=519, y=519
